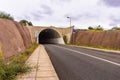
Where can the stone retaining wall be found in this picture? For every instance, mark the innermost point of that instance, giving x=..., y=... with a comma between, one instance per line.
x=106, y=39
x=14, y=38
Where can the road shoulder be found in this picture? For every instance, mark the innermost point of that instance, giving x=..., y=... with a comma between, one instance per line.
x=105, y=50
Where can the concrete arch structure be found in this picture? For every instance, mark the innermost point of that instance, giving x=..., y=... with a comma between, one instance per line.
x=36, y=30
x=53, y=38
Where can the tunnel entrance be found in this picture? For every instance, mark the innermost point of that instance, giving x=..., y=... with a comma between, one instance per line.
x=50, y=36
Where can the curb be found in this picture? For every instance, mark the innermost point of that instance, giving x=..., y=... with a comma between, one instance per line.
x=42, y=68
x=98, y=49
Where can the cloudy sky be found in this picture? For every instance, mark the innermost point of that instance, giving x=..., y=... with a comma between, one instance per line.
x=83, y=13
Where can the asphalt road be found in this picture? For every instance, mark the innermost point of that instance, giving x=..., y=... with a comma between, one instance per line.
x=73, y=63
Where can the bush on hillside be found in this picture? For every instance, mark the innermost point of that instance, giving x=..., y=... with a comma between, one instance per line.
x=65, y=39
x=115, y=28
x=6, y=16
x=25, y=22
x=16, y=65
x=95, y=28
x=90, y=28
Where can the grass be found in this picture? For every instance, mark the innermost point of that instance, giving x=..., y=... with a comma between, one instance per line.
x=0, y=55
x=16, y=65
x=99, y=47
x=9, y=71
x=96, y=30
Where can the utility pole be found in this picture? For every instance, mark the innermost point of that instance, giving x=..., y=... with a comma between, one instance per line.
x=70, y=20
x=72, y=29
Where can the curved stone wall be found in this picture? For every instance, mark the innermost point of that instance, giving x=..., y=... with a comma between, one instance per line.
x=106, y=39
x=14, y=38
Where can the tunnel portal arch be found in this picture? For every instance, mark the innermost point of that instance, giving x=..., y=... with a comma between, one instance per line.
x=50, y=36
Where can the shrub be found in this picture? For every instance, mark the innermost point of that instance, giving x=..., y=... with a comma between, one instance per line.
x=65, y=39
x=8, y=71
x=24, y=22
x=6, y=16
x=115, y=28
x=90, y=28
x=0, y=55
x=16, y=65
x=95, y=28
x=27, y=52
x=99, y=27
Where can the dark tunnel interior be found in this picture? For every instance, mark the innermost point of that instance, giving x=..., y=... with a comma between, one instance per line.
x=47, y=35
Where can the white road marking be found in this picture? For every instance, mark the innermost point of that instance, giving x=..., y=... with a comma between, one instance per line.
x=90, y=55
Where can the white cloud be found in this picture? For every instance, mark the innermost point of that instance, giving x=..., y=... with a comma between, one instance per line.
x=84, y=13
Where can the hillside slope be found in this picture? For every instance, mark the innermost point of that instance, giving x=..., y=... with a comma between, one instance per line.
x=106, y=39
x=14, y=38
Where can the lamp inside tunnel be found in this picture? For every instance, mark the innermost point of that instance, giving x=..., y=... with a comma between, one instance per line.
x=50, y=36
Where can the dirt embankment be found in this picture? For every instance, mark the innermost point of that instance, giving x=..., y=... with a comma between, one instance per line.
x=106, y=39
x=14, y=38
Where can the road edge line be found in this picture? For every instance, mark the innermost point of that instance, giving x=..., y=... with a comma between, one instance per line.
x=98, y=58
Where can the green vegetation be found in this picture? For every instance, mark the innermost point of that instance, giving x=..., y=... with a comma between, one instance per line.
x=0, y=55
x=6, y=16
x=16, y=65
x=25, y=22
x=115, y=28
x=90, y=28
x=81, y=30
x=99, y=27
x=95, y=28
x=10, y=70
x=65, y=39
x=99, y=47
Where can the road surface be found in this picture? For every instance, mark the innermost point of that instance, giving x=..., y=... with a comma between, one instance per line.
x=75, y=63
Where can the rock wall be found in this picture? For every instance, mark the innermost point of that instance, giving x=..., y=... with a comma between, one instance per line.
x=14, y=38
x=106, y=39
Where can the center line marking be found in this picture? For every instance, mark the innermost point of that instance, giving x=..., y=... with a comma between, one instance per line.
x=90, y=56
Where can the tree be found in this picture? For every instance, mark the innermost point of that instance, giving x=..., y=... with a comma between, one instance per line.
x=25, y=22
x=99, y=27
x=90, y=28
x=30, y=24
x=6, y=16
x=95, y=28
x=115, y=28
